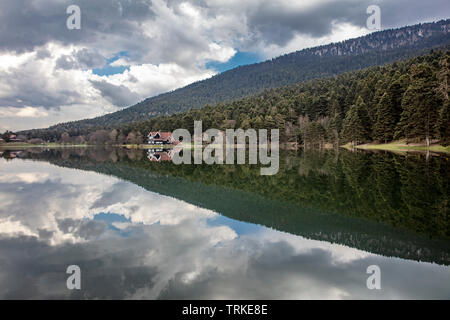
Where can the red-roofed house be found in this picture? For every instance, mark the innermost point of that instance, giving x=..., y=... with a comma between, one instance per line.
x=15, y=138
x=159, y=137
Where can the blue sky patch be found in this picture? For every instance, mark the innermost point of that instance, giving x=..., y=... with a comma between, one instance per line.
x=110, y=218
x=108, y=70
x=241, y=228
x=241, y=58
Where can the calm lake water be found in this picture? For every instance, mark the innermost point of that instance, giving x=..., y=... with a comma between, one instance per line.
x=148, y=229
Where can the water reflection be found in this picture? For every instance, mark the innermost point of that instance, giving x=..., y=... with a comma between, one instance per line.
x=162, y=154
x=121, y=220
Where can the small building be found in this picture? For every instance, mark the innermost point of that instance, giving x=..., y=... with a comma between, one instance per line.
x=159, y=137
x=15, y=138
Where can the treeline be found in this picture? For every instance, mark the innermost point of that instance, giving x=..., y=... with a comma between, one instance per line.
x=104, y=137
x=324, y=61
x=97, y=137
x=402, y=100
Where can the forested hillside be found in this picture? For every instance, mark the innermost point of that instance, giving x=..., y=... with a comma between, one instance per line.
x=402, y=100
x=375, y=49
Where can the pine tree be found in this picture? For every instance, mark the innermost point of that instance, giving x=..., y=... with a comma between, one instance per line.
x=388, y=110
x=420, y=105
x=443, y=123
x=355, y=126
x=385, y=120
x=335, y=125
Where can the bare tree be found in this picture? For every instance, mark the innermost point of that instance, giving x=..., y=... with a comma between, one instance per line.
x=131, y=138
x=65, y=138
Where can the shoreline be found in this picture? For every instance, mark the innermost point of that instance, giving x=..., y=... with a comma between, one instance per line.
x=395, y=146
x=399, y=146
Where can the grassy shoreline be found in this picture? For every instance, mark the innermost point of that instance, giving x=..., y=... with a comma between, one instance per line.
x=400, y=146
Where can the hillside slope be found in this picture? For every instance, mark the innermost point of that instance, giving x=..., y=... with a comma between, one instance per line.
x=402, y=100
x=375, y=49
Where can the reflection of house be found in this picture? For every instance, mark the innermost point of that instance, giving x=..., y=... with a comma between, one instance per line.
x=14, y=138
x=14, y=154
x=157, y=155
x=159, y=137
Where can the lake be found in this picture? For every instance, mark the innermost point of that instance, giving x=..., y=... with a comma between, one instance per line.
x=139, y=227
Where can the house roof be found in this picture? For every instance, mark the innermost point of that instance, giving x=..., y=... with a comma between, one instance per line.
x=163, y=135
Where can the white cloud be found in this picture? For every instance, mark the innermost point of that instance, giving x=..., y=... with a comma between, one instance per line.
x=39, y=93
x=25, y=112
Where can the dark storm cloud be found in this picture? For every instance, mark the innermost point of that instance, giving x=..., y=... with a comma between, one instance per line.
x=66, y=62
x=81, y=59
x=28, y=23
x=43, y=53
x=89, y=59
x=117, y=95
x=278, y=24
x=399, y=13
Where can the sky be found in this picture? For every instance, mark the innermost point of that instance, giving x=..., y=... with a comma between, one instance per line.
x=129, y=50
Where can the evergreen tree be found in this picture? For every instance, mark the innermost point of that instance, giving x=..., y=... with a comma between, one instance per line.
x=442, y=90
x=355, y=123
x=335, y=125
x=443, y=124
x=386, y=119
x=420, y=105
